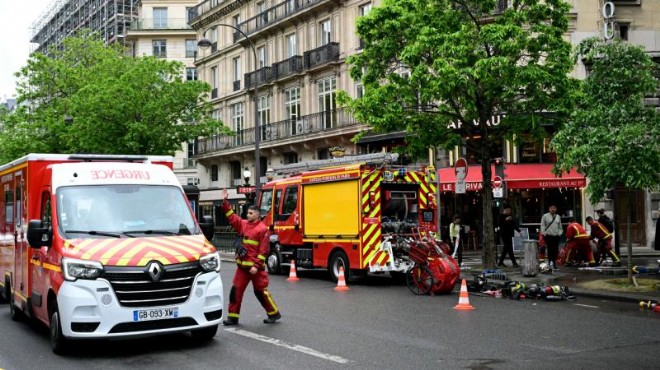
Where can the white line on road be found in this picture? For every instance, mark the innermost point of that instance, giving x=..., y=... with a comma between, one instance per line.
x=585, y=305
x=284, y=344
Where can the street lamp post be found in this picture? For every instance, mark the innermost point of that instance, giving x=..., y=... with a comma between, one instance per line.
x=205, y=43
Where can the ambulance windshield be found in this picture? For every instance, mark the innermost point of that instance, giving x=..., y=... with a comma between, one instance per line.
x=123, y=210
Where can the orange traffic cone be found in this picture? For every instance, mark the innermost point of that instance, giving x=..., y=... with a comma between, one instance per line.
x=292, y=272
x=463, y=299
x=341, y=280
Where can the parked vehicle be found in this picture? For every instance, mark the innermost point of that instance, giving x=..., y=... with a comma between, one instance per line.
x=336, y=213
x=100, y=246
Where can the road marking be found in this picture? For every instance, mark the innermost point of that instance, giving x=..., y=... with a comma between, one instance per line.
x=585, y=305
x=294, y=347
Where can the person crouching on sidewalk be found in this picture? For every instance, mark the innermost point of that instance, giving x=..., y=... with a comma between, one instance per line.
x=577, y=242
x=600, y=232
x=250, y=258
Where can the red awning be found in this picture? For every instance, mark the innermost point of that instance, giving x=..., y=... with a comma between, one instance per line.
x=516, y=176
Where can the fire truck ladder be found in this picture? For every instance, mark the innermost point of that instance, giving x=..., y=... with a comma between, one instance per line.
x=369, y=159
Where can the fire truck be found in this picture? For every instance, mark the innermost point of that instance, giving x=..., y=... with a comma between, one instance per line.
x=345, y=213
x=105, y=246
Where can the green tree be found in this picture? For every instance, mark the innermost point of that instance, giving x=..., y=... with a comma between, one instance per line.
x=88, y=97
x=468, y=62
x=612, y=137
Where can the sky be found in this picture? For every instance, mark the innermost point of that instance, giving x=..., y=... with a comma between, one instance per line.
x=16, y=18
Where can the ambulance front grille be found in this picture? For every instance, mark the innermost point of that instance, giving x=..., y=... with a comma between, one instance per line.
x=135, y=287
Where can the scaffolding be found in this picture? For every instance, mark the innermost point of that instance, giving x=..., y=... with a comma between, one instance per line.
x=109, y=18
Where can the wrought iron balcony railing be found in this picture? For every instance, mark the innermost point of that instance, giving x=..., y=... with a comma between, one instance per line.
x=273, y=15
x=321, y=55
x=288, y=67
x=279, y=131
x=259, y=77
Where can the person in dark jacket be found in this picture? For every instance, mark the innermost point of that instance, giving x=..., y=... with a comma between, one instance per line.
x=604, y=220
x=507, y=227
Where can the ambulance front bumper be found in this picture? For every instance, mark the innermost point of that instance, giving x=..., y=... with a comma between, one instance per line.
x=91, y=309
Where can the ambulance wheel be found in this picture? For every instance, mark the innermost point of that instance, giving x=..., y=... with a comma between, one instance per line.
x=204, y=334
x=58, y=342
x=274, y=263
x=420, y=280
x=14, y=312
x=337, y=260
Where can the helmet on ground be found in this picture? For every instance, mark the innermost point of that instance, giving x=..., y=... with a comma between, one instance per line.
x=544, y=267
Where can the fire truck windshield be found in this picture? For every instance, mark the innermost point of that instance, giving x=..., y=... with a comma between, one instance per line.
x=114, y=210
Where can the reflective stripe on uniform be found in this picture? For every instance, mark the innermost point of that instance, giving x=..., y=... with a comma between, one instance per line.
x=605, y=231
x=244, y=263
x=250, y=242
x=233, y=315
x=229, y=213
x=261, y=257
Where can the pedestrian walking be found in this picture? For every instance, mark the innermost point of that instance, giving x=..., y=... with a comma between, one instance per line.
x=551, y=230
x=251, y=261
x=604, y=220
x=577, y=242
x=507, y=228
x=604, y=237
x=456, y=239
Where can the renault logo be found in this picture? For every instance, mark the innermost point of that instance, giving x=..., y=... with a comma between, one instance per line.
x=155, y=270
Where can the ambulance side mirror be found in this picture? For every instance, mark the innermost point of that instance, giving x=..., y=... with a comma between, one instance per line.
x=207, y=227
x=39, y=236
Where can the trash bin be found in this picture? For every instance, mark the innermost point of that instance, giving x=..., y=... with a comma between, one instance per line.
x=530, y=265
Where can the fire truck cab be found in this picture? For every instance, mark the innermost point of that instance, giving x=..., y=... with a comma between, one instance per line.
x=105, y=246
x=343, y=212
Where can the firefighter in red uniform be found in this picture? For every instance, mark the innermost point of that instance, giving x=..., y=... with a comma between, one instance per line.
x=600, y=232
x=250, y=258
x=578, y=242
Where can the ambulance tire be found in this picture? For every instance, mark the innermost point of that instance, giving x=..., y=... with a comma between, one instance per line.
x=58, y=342
x=204, y=334
x=274, y=263
x=337, y=260
x=14, y=312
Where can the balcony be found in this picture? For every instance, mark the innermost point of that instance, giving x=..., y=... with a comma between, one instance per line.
x=291, y=66
x=274, y=132
x=288, y=67
x=321, y=55
x=270, y=16
x=259, y=77
x=150, y=24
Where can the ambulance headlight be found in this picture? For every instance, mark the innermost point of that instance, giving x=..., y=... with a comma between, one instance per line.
x=210, y=262
x=79, y=269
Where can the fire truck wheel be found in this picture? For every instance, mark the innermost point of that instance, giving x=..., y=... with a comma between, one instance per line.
x=58, y=342
x=274, y=263
x=337, y=260
x=204, y=334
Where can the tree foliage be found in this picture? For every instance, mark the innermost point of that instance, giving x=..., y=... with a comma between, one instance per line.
x=88, y=97
x=467, y=62
x=612, y=137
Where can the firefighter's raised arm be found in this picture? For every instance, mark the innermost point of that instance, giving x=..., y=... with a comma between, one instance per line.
x=232, y=217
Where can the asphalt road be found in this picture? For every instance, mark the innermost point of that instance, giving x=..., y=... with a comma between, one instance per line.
x=375, y=325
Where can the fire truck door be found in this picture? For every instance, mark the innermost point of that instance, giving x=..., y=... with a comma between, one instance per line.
x=20, y=283
x=40, y=273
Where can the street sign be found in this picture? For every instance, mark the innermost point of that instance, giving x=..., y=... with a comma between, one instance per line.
x=498, y=192
x=461, y=170
x=245, y=189
x=497, y=182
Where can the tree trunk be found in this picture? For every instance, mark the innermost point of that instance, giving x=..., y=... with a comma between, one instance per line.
x=630, y=208
x=488, y=256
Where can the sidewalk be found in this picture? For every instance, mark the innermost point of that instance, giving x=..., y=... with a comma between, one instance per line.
x=572, y=276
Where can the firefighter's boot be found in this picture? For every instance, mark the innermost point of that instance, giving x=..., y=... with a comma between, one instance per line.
x=272, y=319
